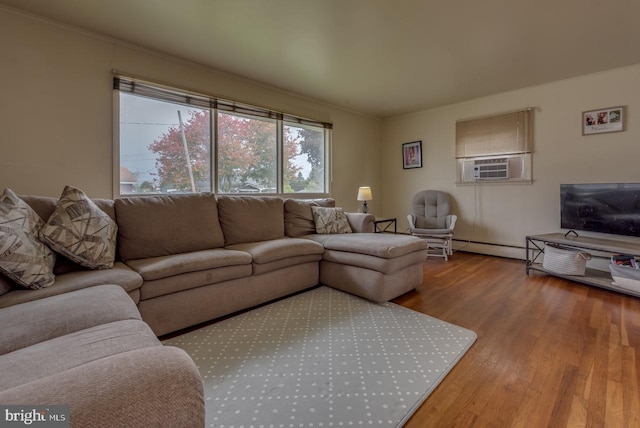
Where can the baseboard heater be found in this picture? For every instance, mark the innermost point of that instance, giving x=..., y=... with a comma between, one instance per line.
x=466, y=241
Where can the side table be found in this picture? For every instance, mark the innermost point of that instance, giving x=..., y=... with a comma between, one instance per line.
x=382, y=224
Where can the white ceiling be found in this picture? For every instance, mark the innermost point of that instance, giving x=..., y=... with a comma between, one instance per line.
x=379, y=57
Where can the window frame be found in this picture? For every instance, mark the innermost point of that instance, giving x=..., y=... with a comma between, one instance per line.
x=517, y=150
x=126, y=84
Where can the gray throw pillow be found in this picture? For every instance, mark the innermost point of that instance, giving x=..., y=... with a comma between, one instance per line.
x=81, y=231
x=330, y=220
x=23, y=258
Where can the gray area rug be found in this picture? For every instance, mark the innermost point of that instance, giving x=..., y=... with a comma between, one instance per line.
x=323, y=358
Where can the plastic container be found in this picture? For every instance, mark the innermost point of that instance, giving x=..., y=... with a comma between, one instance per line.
x=625, y=277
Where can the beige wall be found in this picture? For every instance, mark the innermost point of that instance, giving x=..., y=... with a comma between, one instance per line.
x=506, y=213
x=56, y=117
x=56, y=110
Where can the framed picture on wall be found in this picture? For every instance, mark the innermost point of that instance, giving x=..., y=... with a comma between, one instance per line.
x=604, y=120
x=412, y=155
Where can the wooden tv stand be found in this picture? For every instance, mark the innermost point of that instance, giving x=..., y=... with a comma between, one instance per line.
x=535, y=247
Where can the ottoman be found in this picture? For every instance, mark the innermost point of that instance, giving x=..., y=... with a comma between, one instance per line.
x=378, y=267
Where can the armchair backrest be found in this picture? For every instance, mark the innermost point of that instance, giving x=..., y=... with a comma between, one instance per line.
x=430, y=209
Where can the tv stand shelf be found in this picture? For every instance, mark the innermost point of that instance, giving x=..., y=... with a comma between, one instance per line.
x=535, y=247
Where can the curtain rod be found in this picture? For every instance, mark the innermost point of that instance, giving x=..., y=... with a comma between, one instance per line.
x=496, y=114
x=198, y=93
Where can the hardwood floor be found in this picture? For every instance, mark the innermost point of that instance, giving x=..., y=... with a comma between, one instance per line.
x=550, y=352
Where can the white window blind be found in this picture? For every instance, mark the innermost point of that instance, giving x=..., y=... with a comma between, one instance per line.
x=504, y=134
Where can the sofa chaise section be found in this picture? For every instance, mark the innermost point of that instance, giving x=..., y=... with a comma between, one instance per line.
x=378, y=267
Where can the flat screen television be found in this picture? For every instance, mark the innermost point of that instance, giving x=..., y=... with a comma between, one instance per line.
x=604, y=208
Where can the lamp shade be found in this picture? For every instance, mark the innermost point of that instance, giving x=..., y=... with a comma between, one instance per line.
x=364, y=194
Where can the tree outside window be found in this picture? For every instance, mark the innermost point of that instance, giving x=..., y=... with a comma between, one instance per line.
x=167, y=147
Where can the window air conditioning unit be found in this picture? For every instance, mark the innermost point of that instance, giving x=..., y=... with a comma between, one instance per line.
x=491, y=169
x=503, y=168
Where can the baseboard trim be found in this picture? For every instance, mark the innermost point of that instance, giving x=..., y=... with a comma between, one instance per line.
x=491, y=249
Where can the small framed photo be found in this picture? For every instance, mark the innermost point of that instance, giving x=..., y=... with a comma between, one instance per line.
x=603, y=120
x=412, y=155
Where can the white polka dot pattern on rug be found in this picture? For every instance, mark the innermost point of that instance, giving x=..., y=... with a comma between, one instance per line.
x=323, y=358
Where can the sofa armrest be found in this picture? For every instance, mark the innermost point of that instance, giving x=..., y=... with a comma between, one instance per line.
x=361, y=222
x=157, y=386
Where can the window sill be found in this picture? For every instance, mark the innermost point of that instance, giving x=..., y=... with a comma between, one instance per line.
x=494, y=182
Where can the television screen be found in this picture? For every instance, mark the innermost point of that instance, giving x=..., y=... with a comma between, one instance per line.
x=604, y=208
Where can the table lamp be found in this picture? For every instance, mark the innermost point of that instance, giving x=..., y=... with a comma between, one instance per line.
x=364, y=194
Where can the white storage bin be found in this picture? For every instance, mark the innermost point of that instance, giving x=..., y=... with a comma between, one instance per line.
x=625, y=277
x=565, y=260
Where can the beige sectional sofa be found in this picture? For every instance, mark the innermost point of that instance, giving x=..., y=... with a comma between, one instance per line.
x=188, y=259
x=181, y=260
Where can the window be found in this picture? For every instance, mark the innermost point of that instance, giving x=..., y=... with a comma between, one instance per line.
x=172, y=141
x=154, y=156
x=495, y=148
x=304, y=150
x=247, y=154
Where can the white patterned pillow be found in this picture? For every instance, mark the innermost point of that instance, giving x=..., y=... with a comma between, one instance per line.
x=330, y=220
x=23, y=258
x=81, y=231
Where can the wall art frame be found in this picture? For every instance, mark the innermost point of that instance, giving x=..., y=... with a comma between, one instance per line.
x=412, y=155
x=611, y=119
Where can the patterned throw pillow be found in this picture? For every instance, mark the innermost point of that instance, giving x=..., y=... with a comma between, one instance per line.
x=23, y=258
x=81, y=231
x=330, y=220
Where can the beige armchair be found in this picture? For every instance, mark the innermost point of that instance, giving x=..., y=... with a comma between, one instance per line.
x=431, y=220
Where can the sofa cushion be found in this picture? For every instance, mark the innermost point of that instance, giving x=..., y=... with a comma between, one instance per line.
x=81, y=231
x=280, y=253
x=165, y=266
x=189, y=280
x=46, y=205
x=71, y=350
x=278, y=249
x=157, y=386
x=152, y=226
x=251, y=218
x=330, y=220
x=373, y=244
x=23, y=258
x=119, y=274
x=298, y=217
x=379, y=264
x=36, y=321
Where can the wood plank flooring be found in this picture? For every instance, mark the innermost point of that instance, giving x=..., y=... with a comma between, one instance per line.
x=550, y=352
